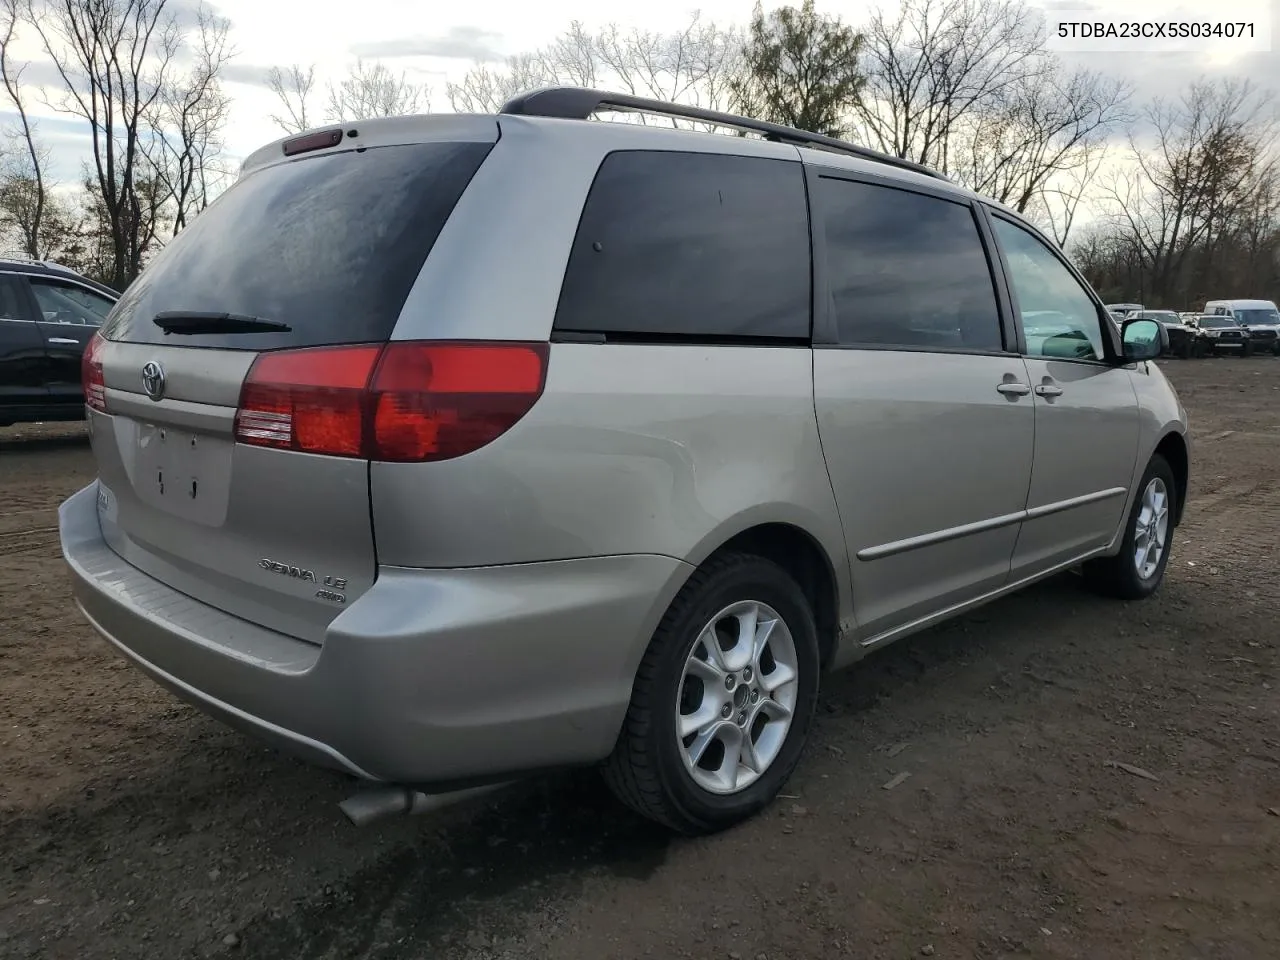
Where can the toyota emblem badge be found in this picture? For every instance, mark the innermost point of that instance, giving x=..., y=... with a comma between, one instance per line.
x=153, y=380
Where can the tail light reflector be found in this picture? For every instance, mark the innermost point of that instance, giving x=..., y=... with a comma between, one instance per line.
x=400, y=402
x=91, y=376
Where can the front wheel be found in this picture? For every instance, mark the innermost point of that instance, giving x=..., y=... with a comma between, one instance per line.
x=1246, y=350
x=1138, y=569
x=722, y=702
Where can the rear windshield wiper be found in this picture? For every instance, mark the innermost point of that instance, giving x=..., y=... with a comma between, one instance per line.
x=191, y=322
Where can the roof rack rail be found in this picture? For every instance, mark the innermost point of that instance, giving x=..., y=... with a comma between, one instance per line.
x=22, y=258
x=579, y=103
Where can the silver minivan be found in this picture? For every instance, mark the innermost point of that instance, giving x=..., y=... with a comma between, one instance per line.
x=447, y=449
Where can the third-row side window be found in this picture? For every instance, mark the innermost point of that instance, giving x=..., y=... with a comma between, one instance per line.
x=697, y=245
x=906, y=270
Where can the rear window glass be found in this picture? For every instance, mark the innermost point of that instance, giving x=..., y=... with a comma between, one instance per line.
x=329, y=245
x=697, y=246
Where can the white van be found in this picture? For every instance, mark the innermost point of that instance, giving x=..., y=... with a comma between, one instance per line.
x=1260, y=317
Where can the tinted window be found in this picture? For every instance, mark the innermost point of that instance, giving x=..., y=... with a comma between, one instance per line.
x=327, y=244
x=69, y=303
x=906, y=270
x=12, y=303
x=690, y=245
x=1059, y=318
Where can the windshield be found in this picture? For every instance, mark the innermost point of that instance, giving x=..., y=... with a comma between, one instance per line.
x=1217, y=322
x=1262, y=315
x=1164, y=316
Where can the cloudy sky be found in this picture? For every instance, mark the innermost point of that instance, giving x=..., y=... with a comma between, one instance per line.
x=434, y=43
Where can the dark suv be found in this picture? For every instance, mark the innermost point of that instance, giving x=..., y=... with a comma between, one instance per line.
x=47, y=315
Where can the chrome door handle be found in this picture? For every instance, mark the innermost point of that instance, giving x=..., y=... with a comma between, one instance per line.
x=73, y=343
x=1048, y=390
x=1014, y=389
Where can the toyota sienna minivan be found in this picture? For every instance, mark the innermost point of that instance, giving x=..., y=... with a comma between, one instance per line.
x=443, y=450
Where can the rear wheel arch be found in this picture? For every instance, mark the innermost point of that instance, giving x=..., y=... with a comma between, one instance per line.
x=800, y=554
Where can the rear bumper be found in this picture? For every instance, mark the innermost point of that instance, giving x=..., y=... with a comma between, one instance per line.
x=430, y=678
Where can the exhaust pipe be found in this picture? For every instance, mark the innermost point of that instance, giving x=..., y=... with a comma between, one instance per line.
x=375, y=803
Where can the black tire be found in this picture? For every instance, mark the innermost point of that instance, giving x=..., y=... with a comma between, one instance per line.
x=646, y=770
x=1246, y=350
x=1118, y=576
x=1275, y=348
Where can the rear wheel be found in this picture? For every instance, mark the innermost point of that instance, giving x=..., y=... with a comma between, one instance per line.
x=722, y=702
x=1138, y=569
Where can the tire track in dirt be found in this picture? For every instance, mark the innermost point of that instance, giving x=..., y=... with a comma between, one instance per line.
x=26, y=541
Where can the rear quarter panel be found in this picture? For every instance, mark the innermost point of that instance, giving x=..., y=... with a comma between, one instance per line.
x=667, y=450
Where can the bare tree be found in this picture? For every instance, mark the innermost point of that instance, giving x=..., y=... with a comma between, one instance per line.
x=1044, y=126
x=372, y=90
x=24, y=184
x=485, y=89
x=293, y=87
x=1192, y=179
x=1058, y=200
x=936, y=63
x=1258, y=235
x=691, y=65
x=115, y=58
x=571, y=59
x=187, y=127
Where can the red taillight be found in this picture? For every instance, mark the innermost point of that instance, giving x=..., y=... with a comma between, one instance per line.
x=310, y=400
x=91, y=377
x=403, y=402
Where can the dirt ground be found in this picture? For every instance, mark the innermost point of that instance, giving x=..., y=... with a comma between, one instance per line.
x=133, y=827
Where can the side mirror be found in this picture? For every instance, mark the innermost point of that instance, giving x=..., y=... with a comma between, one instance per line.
x=1144, y=339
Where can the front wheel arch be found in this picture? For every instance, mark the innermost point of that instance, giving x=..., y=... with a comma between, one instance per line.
x=1173, y=447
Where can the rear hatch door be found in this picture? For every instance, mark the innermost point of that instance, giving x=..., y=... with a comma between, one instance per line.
x=320, y=250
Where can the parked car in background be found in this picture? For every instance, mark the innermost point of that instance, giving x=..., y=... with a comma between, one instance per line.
x=1164, y=316
x=747, y=410
x=47, y=315
x=1223, y=334
x=1183, y=339
x=1122, y=310
x=1259, y=317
